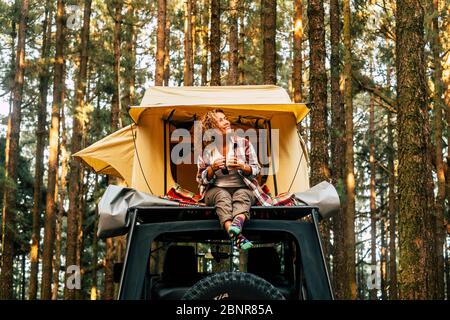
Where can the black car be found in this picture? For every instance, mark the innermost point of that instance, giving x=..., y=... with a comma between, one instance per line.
x=176, y=253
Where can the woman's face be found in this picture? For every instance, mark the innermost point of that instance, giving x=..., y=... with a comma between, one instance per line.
x=222, y=123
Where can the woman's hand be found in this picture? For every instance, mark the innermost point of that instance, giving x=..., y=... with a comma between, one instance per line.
x=235, y=164
x=218, y=164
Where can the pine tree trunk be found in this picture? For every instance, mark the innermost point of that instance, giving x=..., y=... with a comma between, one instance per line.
x=130, y=60
x=204, y=42
x=393, y=292
x=58, y=100
x=52, y=180
x=438, y=105
x=298, y=60
x=349, y=233
x=188, y=54
x=44, y=79
x=76, y=145
x=214, y=43
x=373, y=208
x=9, y=196
x=268, y=27
x=167, y=54
x=160, y=43
x=242, y=37
x=62, y=191
x=383, y=253
x=337, y=150
x=115, y=101
x=414, y=168
x=79, y=294
x=319, y=114
x=116, y=123
x=94, y=290
x=233, y=59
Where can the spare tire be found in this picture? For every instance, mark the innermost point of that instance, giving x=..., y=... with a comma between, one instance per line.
x=233, y=286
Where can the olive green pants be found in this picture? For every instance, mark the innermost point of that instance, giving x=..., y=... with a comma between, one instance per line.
x=230, y=202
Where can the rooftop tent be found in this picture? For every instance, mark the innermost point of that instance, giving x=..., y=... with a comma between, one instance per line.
x=144, y=161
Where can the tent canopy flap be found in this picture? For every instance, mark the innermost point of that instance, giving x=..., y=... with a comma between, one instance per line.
x=265, y=99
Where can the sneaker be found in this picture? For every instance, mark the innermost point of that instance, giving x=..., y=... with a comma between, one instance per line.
x=242, y=242
x=236, y=226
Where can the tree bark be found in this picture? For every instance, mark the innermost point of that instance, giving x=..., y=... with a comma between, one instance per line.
x=438, y=118
x=52, y=181
x=242, y=36
x=373, y=207
x=298, y=59
x=167, y=54
x=129, y=98
x=188, y=52
x=160, y=43
x=62, y=191
x=9, y=196
x=116, y=108
x=214, y=43
x=350, y=283
x=319, y=114
x=393, y=292
x=414, y=169
x=337, y=149
x=268, y=27
x=233, y=60
x=44, y=79
x=204, y=42
x=76, y=145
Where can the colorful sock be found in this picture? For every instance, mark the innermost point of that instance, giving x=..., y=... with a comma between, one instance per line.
x=236, y=225
x=242, y=242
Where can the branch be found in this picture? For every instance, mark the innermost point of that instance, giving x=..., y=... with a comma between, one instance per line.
x=368, y=85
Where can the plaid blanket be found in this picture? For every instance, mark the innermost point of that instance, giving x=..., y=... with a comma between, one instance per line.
x=187, y=198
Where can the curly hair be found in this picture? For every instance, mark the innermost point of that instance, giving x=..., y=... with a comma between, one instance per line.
x=209, y=120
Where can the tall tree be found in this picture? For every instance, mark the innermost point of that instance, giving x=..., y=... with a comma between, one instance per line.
x=62, y=191
x=188, y=45
x=268, y=28
x=58, y=92
x=161, y=43
x=129, y=98
x=44, y=80
x=373, y=207
x=242, y=13
x=214, y=43
x=438, y=118
x=350, y=273
x=297, y=47
x=9, y=200
x=204, y=42
x=392, y=204
x=233, y=59
x=414, y=168
x=318, y=95
x=79, y=114
x=115, y=101
x=337, y=148
x=167, y=54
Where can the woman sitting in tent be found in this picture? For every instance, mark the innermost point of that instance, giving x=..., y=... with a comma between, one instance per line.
x=226, y=174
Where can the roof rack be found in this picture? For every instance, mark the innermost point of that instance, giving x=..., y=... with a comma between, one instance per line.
x=156, y=214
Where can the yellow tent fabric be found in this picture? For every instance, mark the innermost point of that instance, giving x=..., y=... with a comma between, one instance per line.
x=145, y=164
x=113, y=155
x=256, y=98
